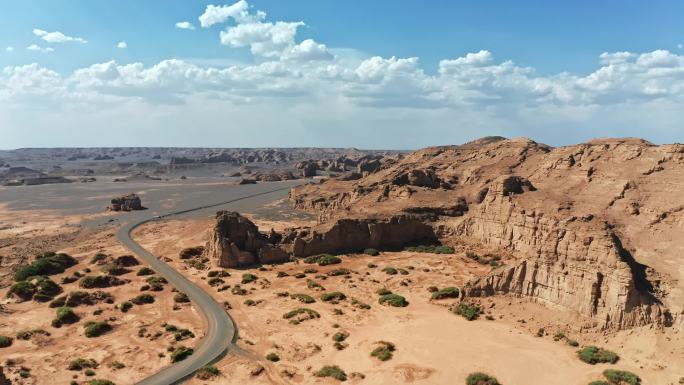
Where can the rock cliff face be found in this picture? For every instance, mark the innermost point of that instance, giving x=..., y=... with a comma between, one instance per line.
x=3, y=379
x=235, y=241
x=572, y=263
x=595, y=227
x=128, y=202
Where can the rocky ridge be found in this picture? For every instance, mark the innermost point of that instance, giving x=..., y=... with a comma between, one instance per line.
x=586, y=222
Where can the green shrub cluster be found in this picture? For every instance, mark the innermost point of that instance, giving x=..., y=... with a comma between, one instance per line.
x=340, y=336
x=487, y=259
x=313, y=285
x=273, y=357
x=143, y=299
x=468, y=311
x=304, y=298
x=333, y=296
x=125, y=306
x=594, y=355
x=65, y=315
x=208, y=372
x=5, y=341
x=100, y=281
x=26, y=335
x=447, y=292
x=384, y=350
x=481, y=379
x=333, y=371
x=371, y=252
x=340, y=271
x=145, y=271
x=96, y=328
x=301, y=314
x=621, y=377
x=82, y=363
x=434, y=249
x=361, y=305
x=46, y=264
x=389, y=270
x=394, y=300
x=248, y=277
x=100, y=382
x=180, y=353
x=323, y=259
x=191, y=252
x=181, y=298
x=38, y=288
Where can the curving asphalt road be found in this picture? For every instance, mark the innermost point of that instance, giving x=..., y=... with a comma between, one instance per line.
x=221, y=332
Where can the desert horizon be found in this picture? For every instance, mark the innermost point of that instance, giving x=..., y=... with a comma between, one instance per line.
x=368, y=193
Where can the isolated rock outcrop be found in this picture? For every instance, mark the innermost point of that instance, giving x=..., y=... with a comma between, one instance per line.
x=235, y=241
x=128, y=202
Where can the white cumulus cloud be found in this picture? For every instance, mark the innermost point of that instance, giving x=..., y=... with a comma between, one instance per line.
x=9, y=49
x=35, y=47
x=220, y=14
x=57, y=37
x=185, y=25
x=122, y=45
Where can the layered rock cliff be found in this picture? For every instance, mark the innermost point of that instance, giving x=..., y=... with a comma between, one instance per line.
x=236, y=242
x=593, y=226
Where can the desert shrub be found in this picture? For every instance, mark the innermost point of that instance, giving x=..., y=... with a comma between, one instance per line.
x=100, y=382
x=431, y=249
x=248, y=277
x=333, y=371
x=619, y=377
x=337, y=272
x=66, y=315
x=600, y=382
x=191, y=252
x=301, y=314
x=26, y=335
x=82, y=363
x=481, y=379
x=125, y=306
x=432, y=289
x=180, y=353
x=115, y=269
x=250, y=302
x=5, y=341
x=116, y=365
x=447, y=292
x=305, y=298
x=371, y=252
x=145, y=271
x=282, y=274
x=594, y=355
x=155, y=280
x=46, y=264
x=333, y=296
x=573, y=343
x=237, y=290
x=207, y=372
x=215, y=281
x=143, y=299
x=183, y=334
x=340, y=336
x=383, y=351
x=273, y=357
x=89, y=372
x=361, y=305
x=99, y=281
x=468, y=311
x=390, y=270
x=393, y=300
x=181, y=298
x=383, y=291
x=326, y=259
x=96, y=328
x=311, y=284
x=559, y=335
x=23, y=289
x=97, y=258
x=340, y=345
x=218, y=273
x=371, y=266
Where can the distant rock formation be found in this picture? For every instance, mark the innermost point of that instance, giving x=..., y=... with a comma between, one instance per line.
x=128, y=202
x=235, y=241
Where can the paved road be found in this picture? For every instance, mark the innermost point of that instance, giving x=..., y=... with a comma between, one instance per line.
x=221, y=332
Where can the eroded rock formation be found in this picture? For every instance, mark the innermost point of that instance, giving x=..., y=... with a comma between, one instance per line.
x=594, y=227
x=235, y=241
x=128, y=202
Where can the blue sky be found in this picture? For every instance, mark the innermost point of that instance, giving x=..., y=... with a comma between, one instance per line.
x=380, y=74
